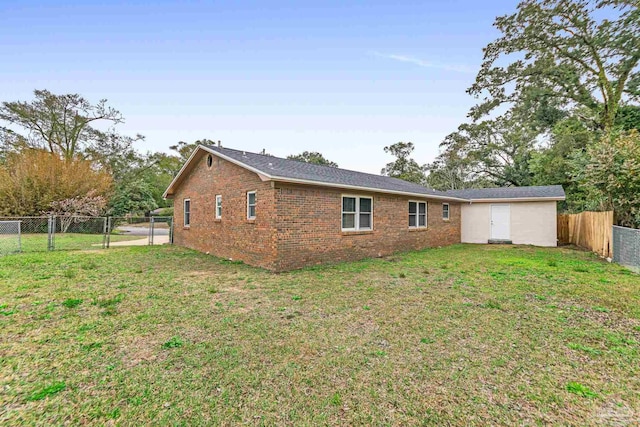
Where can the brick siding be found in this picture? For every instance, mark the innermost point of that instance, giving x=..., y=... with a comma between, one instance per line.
x=295, y=225
x=310, y=232
x=233, y=236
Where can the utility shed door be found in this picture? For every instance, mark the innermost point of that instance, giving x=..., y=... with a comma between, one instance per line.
x=501, y=222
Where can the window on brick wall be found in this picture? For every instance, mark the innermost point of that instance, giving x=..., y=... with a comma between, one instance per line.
x=218, y=206
x=187, y=212
x=357, y=213
x=251, y=205
x=445, y=211
x=417, y=214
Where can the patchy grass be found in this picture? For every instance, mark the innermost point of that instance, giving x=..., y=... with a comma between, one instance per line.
x=174, y=342
x=71, y=302
x=580, y=389
x=472, y=335
x=47, y=391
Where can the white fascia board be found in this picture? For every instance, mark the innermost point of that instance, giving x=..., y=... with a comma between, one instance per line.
x=367, y=189
x=518, y=199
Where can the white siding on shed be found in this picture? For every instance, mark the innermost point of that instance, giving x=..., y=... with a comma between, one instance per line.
x=532, y=223
x=476, y=223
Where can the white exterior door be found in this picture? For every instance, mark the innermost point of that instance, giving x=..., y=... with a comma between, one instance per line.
x=501, y=222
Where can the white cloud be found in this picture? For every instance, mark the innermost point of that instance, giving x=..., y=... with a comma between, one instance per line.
x=426, y=64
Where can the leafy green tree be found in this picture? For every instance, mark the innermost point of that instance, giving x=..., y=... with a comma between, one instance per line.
x=157, y=170
x=609, y=171
x=10, y=142
x=160, y=170
x=450, y=172
x=404, y=167
x=185, y=149
x=62, y=124
x=552, y=164
x=116, y=153
x=628, y=117
x=313, y=157
x=560, y=54
x=494, y=151
x=133, y=197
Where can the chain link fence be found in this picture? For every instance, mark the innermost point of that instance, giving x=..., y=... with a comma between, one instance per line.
x=10, y=237
x=47, y=233
x=130, y=231
x=626, y=246
x=35, y=232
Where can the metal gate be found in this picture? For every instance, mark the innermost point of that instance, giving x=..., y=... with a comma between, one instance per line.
x=48, y=233
x=626, y=246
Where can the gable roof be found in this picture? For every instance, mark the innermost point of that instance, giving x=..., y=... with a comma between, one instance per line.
x=270, y=168
x=548, y=192
x=294, y=171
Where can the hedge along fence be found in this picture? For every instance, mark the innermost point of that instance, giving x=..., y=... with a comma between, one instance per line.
x=589, y=230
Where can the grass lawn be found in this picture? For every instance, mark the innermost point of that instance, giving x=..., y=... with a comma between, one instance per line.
x=32, y=242
x=471, y=335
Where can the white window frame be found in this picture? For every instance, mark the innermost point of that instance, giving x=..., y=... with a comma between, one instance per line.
x=218, y=206
x=448, y=211
x=186, y=223
x=356, y=213
x=417, y=214
x=255, y=201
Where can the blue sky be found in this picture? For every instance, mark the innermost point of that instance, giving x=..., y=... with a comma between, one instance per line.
x=342, y=78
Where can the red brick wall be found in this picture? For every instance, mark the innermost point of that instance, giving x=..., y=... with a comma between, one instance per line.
x=233, y=236
x=309, y=227
x=295, y=225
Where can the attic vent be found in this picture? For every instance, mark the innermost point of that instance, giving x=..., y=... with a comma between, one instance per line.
x=209, y=160
x=270, y=165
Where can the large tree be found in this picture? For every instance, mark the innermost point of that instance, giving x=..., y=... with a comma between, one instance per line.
x=494, y=151
x=552, y=163
x=609, y=172
x=559, y=54
x=451, y=172
x=404, y=167
x=313, y=157
x=63, y=124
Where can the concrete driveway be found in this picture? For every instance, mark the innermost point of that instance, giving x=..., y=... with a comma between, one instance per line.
x=141, y=231
x=157, y=240
x=160, y=235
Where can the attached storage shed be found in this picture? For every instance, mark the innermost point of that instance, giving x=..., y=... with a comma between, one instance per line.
x=519, y=215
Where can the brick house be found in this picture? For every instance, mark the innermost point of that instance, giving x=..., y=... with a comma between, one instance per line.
x=283, y=214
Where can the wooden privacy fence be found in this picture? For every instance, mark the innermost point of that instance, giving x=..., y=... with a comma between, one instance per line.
x=589, y=230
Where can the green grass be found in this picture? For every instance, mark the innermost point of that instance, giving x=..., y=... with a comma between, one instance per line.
x=581, y=390
x=69, y=241
x=462, y=335
x=174, y=342
x=50, y=390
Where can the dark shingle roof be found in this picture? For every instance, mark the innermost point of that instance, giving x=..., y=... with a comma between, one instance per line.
x=555, y=191
x=276, y=167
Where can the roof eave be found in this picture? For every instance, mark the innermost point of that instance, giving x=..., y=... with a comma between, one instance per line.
x=369, y=189
x=519, y=199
